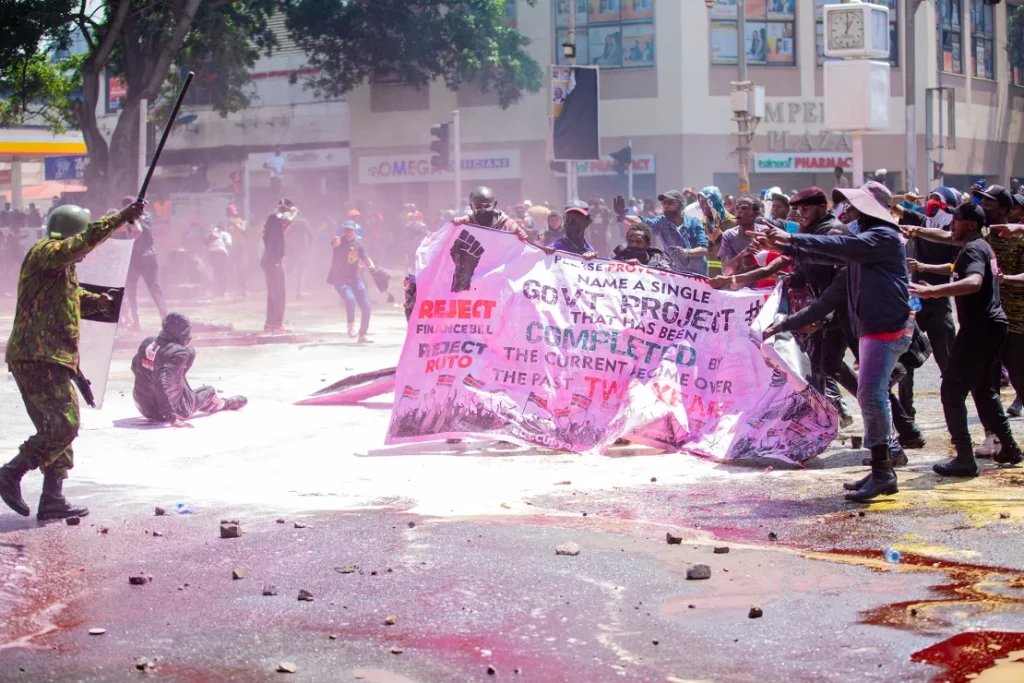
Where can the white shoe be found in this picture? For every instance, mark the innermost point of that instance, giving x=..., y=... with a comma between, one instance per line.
x=989, y=448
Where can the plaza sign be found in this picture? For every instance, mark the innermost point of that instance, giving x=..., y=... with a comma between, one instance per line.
x=802, y=162
x=416, y=168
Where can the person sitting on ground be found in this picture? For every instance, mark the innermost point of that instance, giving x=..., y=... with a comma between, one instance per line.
x=638, y=250
x=162, y=392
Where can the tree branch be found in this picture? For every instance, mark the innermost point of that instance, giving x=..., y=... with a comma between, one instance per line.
x=170, y=49
x=82, y=20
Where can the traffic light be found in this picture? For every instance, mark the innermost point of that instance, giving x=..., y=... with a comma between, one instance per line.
x=441, y=146
x=936, y=170
x=623, y=159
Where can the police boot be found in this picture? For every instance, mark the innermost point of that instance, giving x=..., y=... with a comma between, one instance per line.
x=881, y=481
x=235, y=403
x=52, y=504
x=963, y=465
x=1010, y=453
x=10, y=487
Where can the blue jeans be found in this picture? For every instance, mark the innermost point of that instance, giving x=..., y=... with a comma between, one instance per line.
x=877, y=359
x=353, y=292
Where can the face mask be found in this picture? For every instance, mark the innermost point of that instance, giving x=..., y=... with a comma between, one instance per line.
x=633, y=253
x=853, y=227
x=933, y=207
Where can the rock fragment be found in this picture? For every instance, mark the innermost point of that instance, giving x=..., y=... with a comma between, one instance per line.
x=144, y=663
x=570, y=549
x=72, y=521
x=140, y=579
x=305, y=595
x=237, y=574
x=772, y=536
x=97, y=631
x=397, y=650
x=672, y=539
x=159, y=512
x=491, y=670
x=347, y=569
x=1004, y=515
x=390, y=621
x=300, y=525
x=269, y=590
x=287, y=668
x=756, y=612
x=721, y=550
x=698, y=572
x=230, y=530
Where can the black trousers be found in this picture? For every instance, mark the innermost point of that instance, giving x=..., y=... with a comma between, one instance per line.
x=974, y=369
x=936, y=320
x=147, y=268
x=274, y=273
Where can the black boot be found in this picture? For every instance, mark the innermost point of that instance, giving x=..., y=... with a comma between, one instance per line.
x=52, y=504
x=10, y=488
x=1009, y=454
x=897, y=456
x=882, y=481
x=963, y=465
x=235, y=403
x=856, y=485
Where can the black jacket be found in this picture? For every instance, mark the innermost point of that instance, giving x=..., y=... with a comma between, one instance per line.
x=161, y=391
x=816, y=277
x=653, y=258
x=878, y=292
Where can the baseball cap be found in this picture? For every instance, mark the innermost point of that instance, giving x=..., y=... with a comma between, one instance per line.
x=971, y=212
x=579, y=206
x=674, y=195
x=779, y=197
x=997, y=193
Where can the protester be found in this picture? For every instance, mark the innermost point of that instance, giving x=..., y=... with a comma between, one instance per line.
x=274, y=229
x=554, y=231
x=577, y=220
x=976, y=348
x=162, y=392
x=683, y=237
x=716, y=218
x=841, y=180
x=736, y=240
x=484, y=212
x=143, y=264
x=241, y=247
x=936, y=314
x=780, y=207
x=348, y=255
x=638, y=250
x=218, y=255
x=275, y=164
x=879, y=304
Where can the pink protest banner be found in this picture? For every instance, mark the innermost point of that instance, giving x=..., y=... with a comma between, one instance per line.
x=507, y=342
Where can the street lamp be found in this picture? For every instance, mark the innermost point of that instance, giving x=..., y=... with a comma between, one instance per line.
x=569, y=51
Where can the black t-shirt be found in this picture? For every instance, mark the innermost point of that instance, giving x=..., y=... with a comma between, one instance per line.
x=981, y=308
x=273, y=240
x=345, y=262
x=932, y=253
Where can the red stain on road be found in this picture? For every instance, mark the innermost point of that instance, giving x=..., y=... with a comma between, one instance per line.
x=999, y=654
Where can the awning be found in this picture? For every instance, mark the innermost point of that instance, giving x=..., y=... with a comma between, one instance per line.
x=39, y=142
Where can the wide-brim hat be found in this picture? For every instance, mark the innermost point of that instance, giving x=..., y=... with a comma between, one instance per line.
x=865, y=202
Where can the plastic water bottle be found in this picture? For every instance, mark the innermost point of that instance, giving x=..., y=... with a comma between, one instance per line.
x=915, y=304
x=184, y=510
x=892, y=556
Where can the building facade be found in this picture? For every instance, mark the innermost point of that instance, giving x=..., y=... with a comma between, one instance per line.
x=665, y=84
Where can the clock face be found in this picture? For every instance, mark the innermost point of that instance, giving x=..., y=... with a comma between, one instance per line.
x=846, y=30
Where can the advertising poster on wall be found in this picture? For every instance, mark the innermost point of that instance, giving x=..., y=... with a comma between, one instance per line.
x=606, y=46
x=637, y=9
x=756, y=39
x=780, y=43
x=562, y=12
x=781, y=9
x=723, y=42
x=637, y=45
x=605, y=10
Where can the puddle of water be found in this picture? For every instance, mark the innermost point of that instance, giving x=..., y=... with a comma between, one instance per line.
x=977, y=657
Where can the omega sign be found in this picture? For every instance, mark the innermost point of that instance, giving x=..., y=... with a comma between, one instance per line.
x=416, y=168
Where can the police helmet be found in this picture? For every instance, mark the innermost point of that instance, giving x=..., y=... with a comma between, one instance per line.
x=67, y=221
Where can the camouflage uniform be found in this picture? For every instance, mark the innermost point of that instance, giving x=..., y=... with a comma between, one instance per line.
x=42, y=352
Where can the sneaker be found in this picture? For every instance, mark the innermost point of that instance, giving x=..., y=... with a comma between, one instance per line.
x=1009, y=455
x=1015, y=409
x=352, y=330
x=989, y=448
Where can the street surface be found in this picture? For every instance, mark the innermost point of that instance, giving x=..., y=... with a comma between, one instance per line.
x=457, y=543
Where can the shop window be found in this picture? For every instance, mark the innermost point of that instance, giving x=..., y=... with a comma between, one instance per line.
x=894, y=33
x=613, y=34
x=769, y=32
x=1015, y=34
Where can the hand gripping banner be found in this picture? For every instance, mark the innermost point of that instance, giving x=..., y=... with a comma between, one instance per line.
x=506, y=342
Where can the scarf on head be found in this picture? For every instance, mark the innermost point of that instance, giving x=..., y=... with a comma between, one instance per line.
x=714, y=198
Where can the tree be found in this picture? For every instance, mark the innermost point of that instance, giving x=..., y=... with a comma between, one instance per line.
x=413, y=41
x=150, y=44
x=1015, y=37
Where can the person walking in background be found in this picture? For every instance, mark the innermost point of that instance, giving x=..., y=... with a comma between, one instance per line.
x=348, y=255
x=218, y=255
x=274, y=229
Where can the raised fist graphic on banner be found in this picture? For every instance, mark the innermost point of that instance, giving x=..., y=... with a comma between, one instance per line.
x=466, y=253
